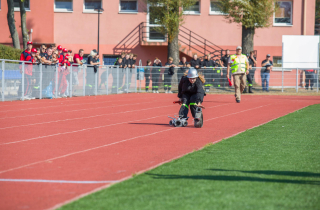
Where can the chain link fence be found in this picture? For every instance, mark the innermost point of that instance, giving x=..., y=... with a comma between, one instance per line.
x=24, y=81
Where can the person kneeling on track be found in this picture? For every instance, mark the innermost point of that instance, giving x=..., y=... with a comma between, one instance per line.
x=191, y=93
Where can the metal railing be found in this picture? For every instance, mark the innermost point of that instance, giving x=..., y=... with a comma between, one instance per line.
x=23, y=81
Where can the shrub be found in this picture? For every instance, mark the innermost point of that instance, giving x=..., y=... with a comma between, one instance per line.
x=11, y=53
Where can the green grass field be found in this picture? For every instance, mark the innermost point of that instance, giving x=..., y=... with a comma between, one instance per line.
x=273, y=166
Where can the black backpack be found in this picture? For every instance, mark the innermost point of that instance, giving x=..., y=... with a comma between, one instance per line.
x=171, y=71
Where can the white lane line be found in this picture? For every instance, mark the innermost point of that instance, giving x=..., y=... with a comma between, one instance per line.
x=77, y=104
x=76, y=110
x=57, y=181
x=118, y=142
x=92, y=116
x=81, y=130
x=82, y=151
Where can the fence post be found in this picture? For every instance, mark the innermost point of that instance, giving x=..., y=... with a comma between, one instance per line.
x=84, y=80
x=40, y=80
x=107, y=79
x=2, y=91
x=135, y=79
x=318, y=80
x=56, y=82
x=96, y=81
x=282, y=79
x=117, y=79
x=297, y=81
x=70, y=82
x=127, y=78
x=22, y=82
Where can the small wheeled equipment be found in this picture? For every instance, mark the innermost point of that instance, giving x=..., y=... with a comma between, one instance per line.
x=178, y=121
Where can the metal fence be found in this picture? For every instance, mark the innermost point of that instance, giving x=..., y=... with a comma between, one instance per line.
x=23, y=81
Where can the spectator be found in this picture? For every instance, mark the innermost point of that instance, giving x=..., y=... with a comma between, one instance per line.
x=249, y=77
x=91, y=71
x=265, y=73
x=59, y=48
x=310, y=76
x=70, y=56
x=115, y=74
x=64, y=72
x=53, y=47
x=183, y=64
x=156, y=71
x=48, y=69
x=224, y=63
x=209, y=72
x=147, y=74
x=195, y=62
x=253, y=62
x=78, y=60
x=43, y=51
x=168, y=73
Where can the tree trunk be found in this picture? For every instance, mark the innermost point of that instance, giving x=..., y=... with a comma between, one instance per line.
x=23, y=24
x=12, y=26
x=173, y=49
x=247, y=39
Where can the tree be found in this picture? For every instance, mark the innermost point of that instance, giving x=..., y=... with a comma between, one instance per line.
x=23, y=23
x=169, y=14
x=251, y=14
x=12, y=26
x=317, y=28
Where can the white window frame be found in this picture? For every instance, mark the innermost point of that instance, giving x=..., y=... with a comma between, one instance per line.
x=62, y=10
x=215, y=13
x=128, y=11
x=284, y=24
x=152, y=25
x=90, y=10
x=193, y=12
x=17, y=9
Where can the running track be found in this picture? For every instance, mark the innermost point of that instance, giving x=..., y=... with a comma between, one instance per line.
x=54, y=151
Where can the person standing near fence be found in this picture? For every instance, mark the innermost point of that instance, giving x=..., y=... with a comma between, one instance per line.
x=265, y=73
x=147, y=74
x=249, y=78
x=91, y=71
x=115, y=73
x=155, y=75
x=239, y=65
x=183, y=64
x=224, y=63
x=168, y=73
x=208, y=72
x=310, y=76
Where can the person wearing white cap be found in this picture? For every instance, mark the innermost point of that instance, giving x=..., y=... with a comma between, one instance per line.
x=239, y=65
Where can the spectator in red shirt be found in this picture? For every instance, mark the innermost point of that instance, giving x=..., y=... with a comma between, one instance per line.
x=27, y=52
x=28, y=74
x=59, y=48
x=77, y=59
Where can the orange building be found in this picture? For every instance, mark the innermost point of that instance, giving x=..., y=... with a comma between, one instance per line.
x=125, y=25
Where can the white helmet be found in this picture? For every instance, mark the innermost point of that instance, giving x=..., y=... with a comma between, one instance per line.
x=192, y=73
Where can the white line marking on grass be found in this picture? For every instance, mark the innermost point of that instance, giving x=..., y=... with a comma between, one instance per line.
x=100, y=115
x=57, y=181
x=106, y=145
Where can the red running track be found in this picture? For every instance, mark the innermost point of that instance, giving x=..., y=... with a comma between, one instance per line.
x=54, y=151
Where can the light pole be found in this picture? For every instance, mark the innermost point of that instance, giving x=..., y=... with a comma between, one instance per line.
x=99, y=10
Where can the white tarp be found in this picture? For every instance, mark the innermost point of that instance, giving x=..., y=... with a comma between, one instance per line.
x=300, y=51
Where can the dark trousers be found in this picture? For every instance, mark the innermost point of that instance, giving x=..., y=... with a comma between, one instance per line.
x=188, y=99
x=249, y=79
x=147, y=76
x=310, y=78
x=167, y=81
x=251, y=72
x=115, y=79
x=155, y=79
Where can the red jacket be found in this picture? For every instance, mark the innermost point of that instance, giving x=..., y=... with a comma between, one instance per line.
x=24, y=55
x=28, y=66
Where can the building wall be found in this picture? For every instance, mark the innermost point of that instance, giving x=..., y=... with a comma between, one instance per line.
x=40, y=18
x=75, y=30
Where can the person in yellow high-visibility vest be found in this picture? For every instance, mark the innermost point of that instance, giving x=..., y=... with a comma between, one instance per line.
x=239, y=66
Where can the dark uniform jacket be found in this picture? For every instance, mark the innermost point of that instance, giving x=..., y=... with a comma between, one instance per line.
x=195, y=63
x=185, y=87
x=208, y=63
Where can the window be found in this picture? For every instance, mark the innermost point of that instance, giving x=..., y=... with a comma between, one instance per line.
x=63, y=5
x=90, y=5
x=109, y=60
x=215, y=8
x=128, y=6
x=17, y=6
x=283, y=16
x=194, y=9
x=277, y=61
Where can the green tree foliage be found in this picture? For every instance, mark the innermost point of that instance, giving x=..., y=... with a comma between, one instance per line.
x=9, y=53
x=251, y=14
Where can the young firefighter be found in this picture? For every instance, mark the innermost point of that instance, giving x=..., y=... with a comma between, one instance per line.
x=147, y=74
x=191, y=93
x=119, y=63
x=156, y=72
